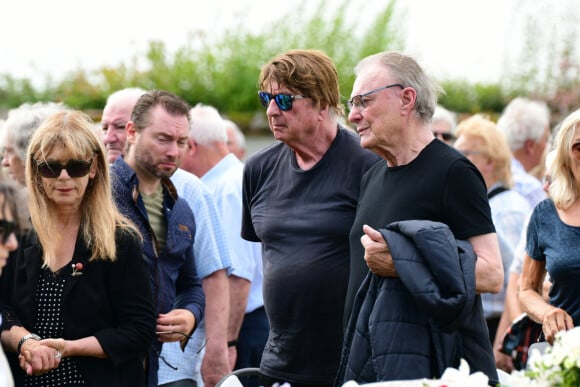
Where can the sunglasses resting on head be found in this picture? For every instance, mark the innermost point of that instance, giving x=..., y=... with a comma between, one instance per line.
x=53, y=169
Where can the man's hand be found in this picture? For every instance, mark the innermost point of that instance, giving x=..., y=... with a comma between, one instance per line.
x=176, y=325
x=233, y=356
x=377, y=253
x=215, y=364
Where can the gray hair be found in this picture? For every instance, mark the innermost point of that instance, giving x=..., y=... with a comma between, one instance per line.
x=23, y=121
x=405, y=70
x=442, y=114
x=522, y=120
x=129, y=93
x=240, y=137
x=207, y=125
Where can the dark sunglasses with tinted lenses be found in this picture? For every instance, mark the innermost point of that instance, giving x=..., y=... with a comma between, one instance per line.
x=284, y=101
x=53, y=169
x=444, y=135
x=7, y=228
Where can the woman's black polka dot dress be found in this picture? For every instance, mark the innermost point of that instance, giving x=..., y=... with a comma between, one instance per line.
x=49, y=323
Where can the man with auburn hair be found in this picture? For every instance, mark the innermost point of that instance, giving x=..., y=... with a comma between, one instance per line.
x=300, y=195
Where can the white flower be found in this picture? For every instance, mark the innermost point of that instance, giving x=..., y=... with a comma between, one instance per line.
x=548, y=369
x=451, y=378
x=461, y=377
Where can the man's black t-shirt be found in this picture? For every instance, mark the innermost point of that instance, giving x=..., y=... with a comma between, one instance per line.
x=303, y=219
x=438, y=185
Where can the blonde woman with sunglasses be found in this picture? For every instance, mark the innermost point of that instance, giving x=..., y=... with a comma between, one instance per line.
x=76, y=298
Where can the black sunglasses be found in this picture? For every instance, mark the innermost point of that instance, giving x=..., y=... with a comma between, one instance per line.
x=284, y=101
x=444, y=135
x=7, y=228
x=53, y=169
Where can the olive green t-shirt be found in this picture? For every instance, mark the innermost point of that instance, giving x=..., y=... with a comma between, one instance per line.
x=154, y=206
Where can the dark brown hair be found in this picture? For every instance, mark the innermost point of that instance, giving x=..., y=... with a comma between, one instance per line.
x=172, y=103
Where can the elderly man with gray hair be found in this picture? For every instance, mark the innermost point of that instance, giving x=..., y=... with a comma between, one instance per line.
x=443, y=124
x=116, y=113
x=526, y=124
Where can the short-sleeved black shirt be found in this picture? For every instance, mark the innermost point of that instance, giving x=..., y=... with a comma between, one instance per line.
x=438, y=185
x=303, y=219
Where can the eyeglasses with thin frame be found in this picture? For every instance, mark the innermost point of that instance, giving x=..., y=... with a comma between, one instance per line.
x=53, y=169
x=358, y=101
x=7, y=228
x=185, y=336
x=283, y=101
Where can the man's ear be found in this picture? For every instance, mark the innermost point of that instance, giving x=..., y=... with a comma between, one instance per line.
x=191, y=146
x=131, y=132
x=324, y=112
x=408, y=97
x=489, y=164
x=529, y=146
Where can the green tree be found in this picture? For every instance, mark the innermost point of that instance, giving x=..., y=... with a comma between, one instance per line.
x=223, y=71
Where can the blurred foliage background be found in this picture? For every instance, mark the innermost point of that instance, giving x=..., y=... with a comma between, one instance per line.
x=224, y=73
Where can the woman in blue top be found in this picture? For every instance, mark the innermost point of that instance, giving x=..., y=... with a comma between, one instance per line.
x=553, y=238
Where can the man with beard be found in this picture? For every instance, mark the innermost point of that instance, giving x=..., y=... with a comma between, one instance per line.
x=157, y=135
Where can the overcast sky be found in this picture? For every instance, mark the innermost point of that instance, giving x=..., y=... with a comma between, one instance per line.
x=468, y=39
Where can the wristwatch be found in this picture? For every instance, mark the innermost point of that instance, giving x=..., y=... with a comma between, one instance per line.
x=27, y=337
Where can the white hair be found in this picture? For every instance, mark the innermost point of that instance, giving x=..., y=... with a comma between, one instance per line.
x=240, y=137
x=207, y=125
x=442, y=114
x=129, y=93
x=23, y=121
x=523, y=120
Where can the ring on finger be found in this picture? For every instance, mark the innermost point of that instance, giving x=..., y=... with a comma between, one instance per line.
x=58, y=354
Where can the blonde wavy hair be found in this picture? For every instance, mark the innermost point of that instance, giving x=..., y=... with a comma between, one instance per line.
x=73, y=131
x=492, y=143
x=564, y=187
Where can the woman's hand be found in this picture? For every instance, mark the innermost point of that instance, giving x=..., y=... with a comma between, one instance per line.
x=503, y=361
x=58, y=344
x=554, y=321
x=37, y=358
